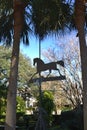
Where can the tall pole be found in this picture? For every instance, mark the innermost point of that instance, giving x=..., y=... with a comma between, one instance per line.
x=39, y=47
x=40, y=93
x=40, y=123
x=40, y=72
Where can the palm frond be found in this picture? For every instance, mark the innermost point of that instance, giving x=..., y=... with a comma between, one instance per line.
x=7, y=21
x=50, y=16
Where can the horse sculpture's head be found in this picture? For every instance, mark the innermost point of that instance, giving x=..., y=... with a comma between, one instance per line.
x=34, y=61
x=38, y=61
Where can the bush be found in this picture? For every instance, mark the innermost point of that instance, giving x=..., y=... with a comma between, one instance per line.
x=73, y=119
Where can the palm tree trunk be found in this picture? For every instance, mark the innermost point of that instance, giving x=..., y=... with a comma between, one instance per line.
x=80, y=23
x=12, y=90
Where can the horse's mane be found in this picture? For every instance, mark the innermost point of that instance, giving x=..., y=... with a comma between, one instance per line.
x=38, y=60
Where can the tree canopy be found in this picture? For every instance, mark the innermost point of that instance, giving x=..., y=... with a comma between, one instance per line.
x=25, y=67
x=50, y=16
x=7, y=22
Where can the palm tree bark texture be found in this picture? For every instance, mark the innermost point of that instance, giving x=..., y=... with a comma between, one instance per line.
x=80, y=24
x=10, y=123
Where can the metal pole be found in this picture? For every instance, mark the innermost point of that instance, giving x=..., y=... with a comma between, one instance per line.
x=40, y=74
x=39, y=48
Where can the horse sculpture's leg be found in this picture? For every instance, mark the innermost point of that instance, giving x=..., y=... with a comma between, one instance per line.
x=49, y=73
x=59, y=72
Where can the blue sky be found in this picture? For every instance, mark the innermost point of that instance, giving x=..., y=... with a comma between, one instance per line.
x=32, y=51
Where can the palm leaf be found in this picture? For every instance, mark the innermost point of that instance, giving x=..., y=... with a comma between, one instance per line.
x=50, y=16
x=7, y=21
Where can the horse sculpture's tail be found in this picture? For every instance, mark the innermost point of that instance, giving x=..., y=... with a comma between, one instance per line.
x=60, y=63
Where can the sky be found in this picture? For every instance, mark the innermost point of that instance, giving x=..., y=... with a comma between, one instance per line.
x=32, y=51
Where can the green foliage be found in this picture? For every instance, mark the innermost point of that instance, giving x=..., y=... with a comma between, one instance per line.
x=5, y=55
x=2, y=106
x=3, y=95
x=66, y=108
x=47, y=102
x=20, y=104
x=7, y=21
x=25, y=72
x=25, y=68
x=47, y=105
x=50, y=16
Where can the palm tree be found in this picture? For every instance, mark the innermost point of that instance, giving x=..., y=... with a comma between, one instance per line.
x=13, y=27
x=80, y=24
x=18, y=17
x=52, y=16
